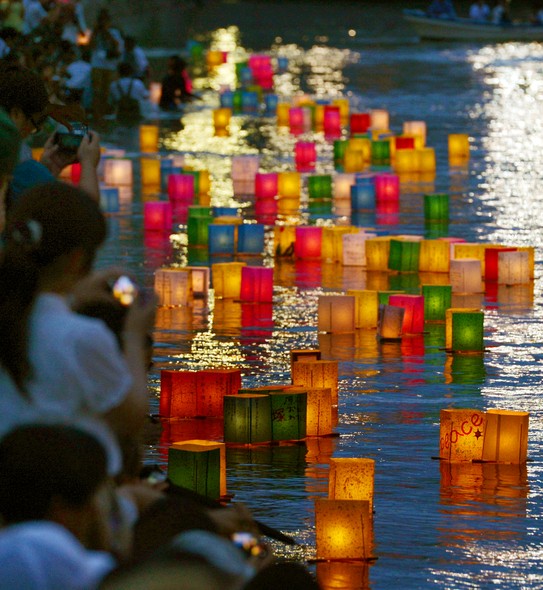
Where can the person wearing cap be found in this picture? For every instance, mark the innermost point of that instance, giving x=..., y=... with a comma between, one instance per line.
x=10, y=145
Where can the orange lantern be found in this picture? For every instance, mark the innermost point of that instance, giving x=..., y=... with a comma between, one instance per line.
x=513, y=268
x=390, y=322
x=332, y=242
x=149, y=138
x=317, y=374
x=221, y=121
x=351, y=479
x=366, y=308
x=461, y=434
x=319, y=411
x=506, y=436
x=304, y=355
x=289, y=184
x=226, y=279
x=335, y=313
x=465, y=275
x=341, y=575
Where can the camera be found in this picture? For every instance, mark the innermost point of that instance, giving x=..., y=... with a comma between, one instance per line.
x=69, y=141
x=124, y=290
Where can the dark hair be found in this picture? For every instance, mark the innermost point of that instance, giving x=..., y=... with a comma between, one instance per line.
x=23, y=88
x=125, y=69
x=48, y=221
x=39, y=462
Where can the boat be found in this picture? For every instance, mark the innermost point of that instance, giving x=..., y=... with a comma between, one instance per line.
x=465, y=29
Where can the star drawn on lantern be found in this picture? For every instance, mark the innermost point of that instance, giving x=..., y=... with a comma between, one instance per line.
x=478, y=433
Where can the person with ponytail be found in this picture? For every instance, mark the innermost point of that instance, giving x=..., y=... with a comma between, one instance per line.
x=54, y=363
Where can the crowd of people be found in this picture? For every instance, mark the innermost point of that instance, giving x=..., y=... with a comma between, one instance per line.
x=481, y=11
x=78, y=508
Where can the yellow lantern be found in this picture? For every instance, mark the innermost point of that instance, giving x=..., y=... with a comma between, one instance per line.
x=332, y=241
x=351, y=479
x=226, y=279
x=343, y=104
x=377, y=253
x=426, y=160
x=461, y=434
x=361, y=144
x=319, y=411
x=379, y=120
x=434, y=256
x=458, y=147
x=289, y=185
x=366, y=310
x=506, y=436
x=283, y=114
x=405, y=161
x=149, y=138
x=221, y=121
x=353, y=160
x=150, y=172
x=317, y=374
x=343, y=529
x=335, y=313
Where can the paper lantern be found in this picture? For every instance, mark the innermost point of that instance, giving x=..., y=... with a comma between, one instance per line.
x=256, y=284
x=362, y=145
x=406, y=160
x=319, y=186
x=434, y=256
x=458, y=144
x=305, y=156
x=413, y=320
x=288, y=414
x=317, y=374
x=461, y=435
x=284, y=237
x=304, y=354
x=332, y=121
x=226, y=279
x=283, y=114
x=181, y=187
x=335, y=313
x=319, y=411
x=222, y=238
x=340, y=146
x=464, y=330
x=150, y=172
x=200, y=280
x=404, y=255
x=157, y=216
x=214, y=58
x=387, y=187
x=416, y=128
x=308, y=242
x=465, y=275
x=506, y=436
x=359, y=122
x=351, y=479
x=109, y=199
x=380, y=152
x=437, y=299
x=148, y=138
x=199, y=466
x=250, y=238
x=296, y=120
x=221, y=121
x=191, y=394
x=343, y=529
x=247, y=419
x=353, y=160
x=366, y=308
x=266, y=185
x=343, y=575
x=354, y=248
x=289, y=184
x=404, y=143
x=270, y=104
x=118, y=172
x=377, y=253
x=491, y=261
x=513, y=268
x=426, y=160
x=436, y=207
x=390, y=322
x=332, y=242
x=198, y=221
x=379, y=119
x=173, y=286
x=363, y=196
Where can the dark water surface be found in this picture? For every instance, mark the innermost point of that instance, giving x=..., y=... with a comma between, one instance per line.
x=435, y=525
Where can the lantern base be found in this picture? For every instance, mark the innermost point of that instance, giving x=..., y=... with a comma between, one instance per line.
x=346, y=560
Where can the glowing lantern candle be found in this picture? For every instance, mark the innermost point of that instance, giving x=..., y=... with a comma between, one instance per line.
x=380, y=119
x=465, y=275
x=308, y=242
x=377, y=253
x=157, y=216
x=359, y=122
x=256, y=284
x=173, y=286
x=149, y=138
x=317, y=374
x=222, y=238
x=335, y=313
x=513, y=268
x=343, y=529
x=426, y=160
x=247, y=419
x=434, y=256
x=289, y=414
x=289, y=184
x=363, y=145
x=417, y=128
x=199, y=466
x=464, y=330
x=366, y=308
x=491, y=261
x=266, y=185
x=437, y=299
x=283, y=114
x=221, y=121
x=319, y=186
x=192, y=394
x=181, y=187
x=342, y=185
x=332, y=121
x=296, y=120
x=380, y=152
x=506, y=436
x=458, y=144
x=118, y=172
x=405, y=160
x=332, y=242
x=109, y=199
x=244, y=170
x=461, y=435
x=390, y=322
x=250, y=238
x=404, y=255
x=319, y=411
x=413, y=320
x=226, y=279
x=387, y=187
x=351, y=479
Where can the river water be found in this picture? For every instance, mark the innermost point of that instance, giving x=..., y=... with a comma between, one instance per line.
x=471, y=527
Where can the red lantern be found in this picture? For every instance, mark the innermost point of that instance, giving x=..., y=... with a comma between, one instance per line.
x=256, y=284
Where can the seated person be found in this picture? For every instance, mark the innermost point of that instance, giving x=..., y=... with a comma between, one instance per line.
x=480, y=11
x=441, y=9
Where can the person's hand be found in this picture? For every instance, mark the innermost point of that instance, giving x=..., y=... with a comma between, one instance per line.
x=65, y=113
x=88, y=152
x=141, y=494
x=236, y=517
x=140, y=318
x=54, y=158
x=96, y=287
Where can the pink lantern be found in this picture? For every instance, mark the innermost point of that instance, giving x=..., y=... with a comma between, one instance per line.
x=413, y=319
x=75, y=173
x=305, y=156
x=256, y=284
x=266, y=185
x=387, y=187
x=157, y=216
x=308, y=242
x=332, y=121
x=181, y=187
x=296, y=119
x=266, y=207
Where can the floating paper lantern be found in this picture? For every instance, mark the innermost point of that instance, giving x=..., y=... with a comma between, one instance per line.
x=354, y=248
x=288, y=414
x=199, y=279
x=437, y=299
x=340, y=146
x=198, y=221
x=465, y=275
x=379, y=119
x=109, y=199
x=426, y=160
x=317, y=374
x=270, y=104
x=190, y=394
x=359, y=122
x=247, y=419
x=380, y=152
x=214, y=58
x=377, y=253
x=149, y=138
x=308, y=242
x=458, y=147
x=226, y=279
x=199, y=466
x=343, y=529
x=181, y=187
x=305, y=156
x=436, y=207
x=335, y=313
x=404, y=255
x=332, y=242
x=118, y=172
x=513, y=268
x=390, y=322
x=222, y=238
x=404, y=143
x=491, y=261
x=387, y=187
x=461, y=435
x=250, y=238
x=304, y=355
x=413, y=320
x=319, y=411
x=464, y=330
x=506, y=436
x=351, y=479
x=157, y=216
x=289, y=184
x=363, y=196
x=283, y=114
x=332, y=121
x=221, y=121
x=434, y=256
x=256, y=284
x=417, y=128
x=150, y=172
x=405, y=160
x=173, y=286
x=366, y=308
x=319, y=186
x=362, y=145
x=296, y=120
x=353, y=160
x=266, y=185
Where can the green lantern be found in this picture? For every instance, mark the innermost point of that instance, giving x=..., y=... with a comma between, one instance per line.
x=289, y=415
x=380, y=152
x=319, y=186
x=196, y=468
x=404, y=255
x=340, y=145
x=436, y=207
x=464, y=330
x=198, y=221
x=247, y=419
x=437, y=299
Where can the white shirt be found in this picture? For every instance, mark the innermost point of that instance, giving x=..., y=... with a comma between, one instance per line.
x=137, y=90
x=99, y=57
x=80, y=75
x=478, y=12
x=78, y=371
x=34, y=14
x=42, y=555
